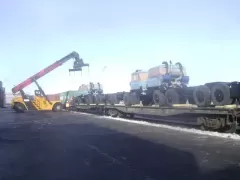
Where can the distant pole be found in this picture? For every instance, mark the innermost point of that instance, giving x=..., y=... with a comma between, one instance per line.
x=103, y=76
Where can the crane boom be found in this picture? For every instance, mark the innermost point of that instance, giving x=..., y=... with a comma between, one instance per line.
x=78, y=64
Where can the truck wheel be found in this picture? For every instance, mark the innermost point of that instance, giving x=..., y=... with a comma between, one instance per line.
x=172, y=97
x=112, y=99
x=202, y=96
x=102, y=98
x=96, y=99
x=57, y=107
x=127, y=99
x=115, y=99
x=146, y=102
x=79, y=100
x=99, y=99
x=106, y=98
x=135, y=99
x=190, y=100
x=19, y=108
x=159, y=98
x=221, y=94
x=88, y=99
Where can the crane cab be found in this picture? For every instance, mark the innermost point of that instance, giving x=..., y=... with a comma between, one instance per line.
x=37, y=102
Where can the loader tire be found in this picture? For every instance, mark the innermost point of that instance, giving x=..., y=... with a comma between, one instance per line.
x=57, y=107
x=19, y=108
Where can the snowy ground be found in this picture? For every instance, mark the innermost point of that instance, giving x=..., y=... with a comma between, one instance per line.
x=82, y=146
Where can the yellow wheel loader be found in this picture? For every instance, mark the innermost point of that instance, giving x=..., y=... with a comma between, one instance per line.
x=40, y=101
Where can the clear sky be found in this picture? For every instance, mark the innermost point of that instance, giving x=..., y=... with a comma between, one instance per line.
x=124, y=35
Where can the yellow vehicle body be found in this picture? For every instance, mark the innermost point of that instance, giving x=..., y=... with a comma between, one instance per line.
x=37, y=103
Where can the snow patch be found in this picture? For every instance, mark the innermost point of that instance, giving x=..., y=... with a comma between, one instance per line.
x=74, y=112
x=182, y=129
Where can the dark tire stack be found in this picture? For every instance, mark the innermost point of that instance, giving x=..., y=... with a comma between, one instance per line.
x=96, y=99
x=111, y=99
x=219, y=94
x=89, y=99
x=107, y=98
x=79, y=100
x=131, y=99
x=135, y=98
x=114, y=99
x=147, y=100
x=202, y=96
x=127, y=99
x=171, y=96
x=99, y=99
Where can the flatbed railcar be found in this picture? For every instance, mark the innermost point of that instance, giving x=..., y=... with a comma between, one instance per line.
x=221, y=119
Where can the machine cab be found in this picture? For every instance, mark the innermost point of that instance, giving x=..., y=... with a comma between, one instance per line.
x=38, y=93
x=138, y=80
x=169, y=72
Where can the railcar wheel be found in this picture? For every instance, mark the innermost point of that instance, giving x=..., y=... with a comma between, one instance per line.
x=231, y=128
x=131, y=116
x=113, y=112
x=122, y=115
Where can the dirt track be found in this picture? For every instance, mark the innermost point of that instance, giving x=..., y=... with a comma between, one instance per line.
x=49, y=146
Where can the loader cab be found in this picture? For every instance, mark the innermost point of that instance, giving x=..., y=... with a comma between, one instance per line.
x=27, y=97
x=38, y=93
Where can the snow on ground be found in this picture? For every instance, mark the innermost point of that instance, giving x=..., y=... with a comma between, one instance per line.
x=176, y=128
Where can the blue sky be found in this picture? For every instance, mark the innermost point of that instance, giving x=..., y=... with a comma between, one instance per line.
x=204, y=35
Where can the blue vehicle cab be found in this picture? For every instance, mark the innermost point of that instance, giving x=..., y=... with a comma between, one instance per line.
x=160, y=85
